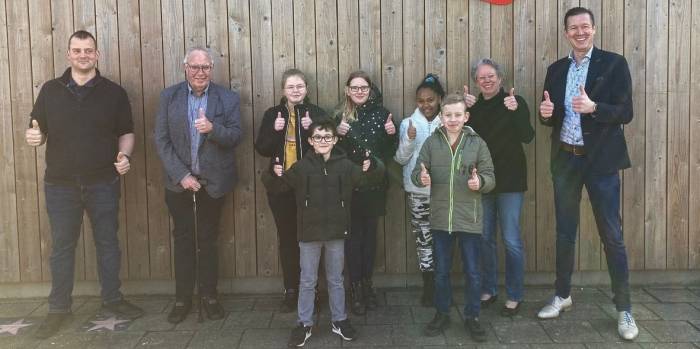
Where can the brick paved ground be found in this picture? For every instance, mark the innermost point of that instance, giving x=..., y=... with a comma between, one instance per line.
x=667, y=317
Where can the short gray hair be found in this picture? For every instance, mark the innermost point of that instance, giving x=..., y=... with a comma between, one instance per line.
x=487, y=61
x=198, y=49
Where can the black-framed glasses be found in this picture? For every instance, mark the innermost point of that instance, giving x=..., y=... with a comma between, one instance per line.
x=325, y=138
x=295, y=87
x=355, y=89
x=195, y=68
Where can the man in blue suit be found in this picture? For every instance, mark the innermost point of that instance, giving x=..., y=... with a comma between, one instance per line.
x=587, y=99
x=197, y=128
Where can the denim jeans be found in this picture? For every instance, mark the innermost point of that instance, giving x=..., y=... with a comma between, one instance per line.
x=334, y=257
x=65, y=205
x=503, y=208
x=209, y=209
x=470, y=247
x=569, y=175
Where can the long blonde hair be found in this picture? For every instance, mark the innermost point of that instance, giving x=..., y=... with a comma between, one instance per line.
x=347, y=110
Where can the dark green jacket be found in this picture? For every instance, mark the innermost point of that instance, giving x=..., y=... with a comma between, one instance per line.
x=453, y=206
x=323, y=191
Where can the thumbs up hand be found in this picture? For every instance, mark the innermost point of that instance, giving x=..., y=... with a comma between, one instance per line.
x=474, y=182
x=582, y=104
x=411, y=131
x=424, y=175
x=123, y=164
x=389, y=126
x=546, y=106
x=366, y=163
x=469, y=99
x=202, y=124
x=279, y=122
x=306, y=121
x=33, y=135
x=343, y=127
x=510, y=102
x=277, y=168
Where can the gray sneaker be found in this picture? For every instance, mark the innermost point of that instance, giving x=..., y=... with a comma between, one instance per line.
x=626, y=326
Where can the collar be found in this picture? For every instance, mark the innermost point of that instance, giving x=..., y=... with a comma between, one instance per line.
x=206, y=90
x=588, y=55
x=67, y=79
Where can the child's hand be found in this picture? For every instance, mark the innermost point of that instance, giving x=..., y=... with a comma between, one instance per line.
x=279, y=122
x=366, y=163
x=424, y=175
x=411, y=132
x=306, y=121
x=277, y=168
x=389, y=126
x=343, y=128
x=474, y=182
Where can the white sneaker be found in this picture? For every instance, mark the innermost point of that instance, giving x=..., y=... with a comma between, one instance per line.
x=556, y=306
x=626, y=326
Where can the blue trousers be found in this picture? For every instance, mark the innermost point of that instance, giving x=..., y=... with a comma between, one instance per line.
x=469, y=246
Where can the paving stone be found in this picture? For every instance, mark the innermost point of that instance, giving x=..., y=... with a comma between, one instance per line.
x=371, y=335
x=167, y=339
x=238, y=304
x=584, y=311
x=43, y=309
x=695, y=323
x=672, y=331
x=247, y=319
x=389, y=315
x=667, y=345
x=115, y=340
x=608, y=330
x=625, y=345
x=557, y=346
x=637, y=295
x=526, y=331
x=277, y=338
x=33, y=323
x=413, y=335
x=91, y=306
x=18, y=342
x=19, y=309
x=675, y=311
x=151, y=322
x=95, y=324
x=640, y=312
x=456, y=334
x=589, y=295
x=538, y=295
x=216, y=339
x=267, y=304
x=151, y=304
x=284, y=320
x=422, y=315
x=67, y=340
x=673, y=295
x=191, y=323
x=402, y=297
x=571, y=331
x=499, y=346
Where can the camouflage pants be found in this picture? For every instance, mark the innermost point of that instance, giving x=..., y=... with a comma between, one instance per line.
x=420, y=226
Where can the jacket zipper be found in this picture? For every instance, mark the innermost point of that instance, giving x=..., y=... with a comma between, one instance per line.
x=452, y=172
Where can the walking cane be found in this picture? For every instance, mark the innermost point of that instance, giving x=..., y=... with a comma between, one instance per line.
x=200, y=318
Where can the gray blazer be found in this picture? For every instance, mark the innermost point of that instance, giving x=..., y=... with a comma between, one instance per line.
x=216, y=149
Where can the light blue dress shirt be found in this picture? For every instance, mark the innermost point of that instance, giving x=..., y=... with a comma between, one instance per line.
x=194, y=103
x=571, y=128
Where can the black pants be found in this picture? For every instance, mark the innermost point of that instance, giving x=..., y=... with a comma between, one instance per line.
x=208, y=216
x=284, y=211
x=361, y=248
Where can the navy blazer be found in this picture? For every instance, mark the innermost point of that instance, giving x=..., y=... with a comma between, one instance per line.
x=609, y=84
x=216, y=149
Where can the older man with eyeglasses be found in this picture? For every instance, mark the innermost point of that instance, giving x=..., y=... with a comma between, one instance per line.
x=197, y=128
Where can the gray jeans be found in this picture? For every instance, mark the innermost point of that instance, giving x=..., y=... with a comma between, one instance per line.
x=334, y=258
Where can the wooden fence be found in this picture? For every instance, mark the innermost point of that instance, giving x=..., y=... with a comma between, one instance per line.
x=142, y=44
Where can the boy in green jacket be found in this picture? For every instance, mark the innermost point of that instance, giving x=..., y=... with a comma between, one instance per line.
x=323, y=182
x=456, y=164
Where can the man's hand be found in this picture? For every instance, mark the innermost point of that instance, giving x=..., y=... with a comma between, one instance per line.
x=581, y=103
x=33, y=135
x=411, y=131
x=306, y=121
x=123, y=164
x=343, y=128
x=279, y=122
x=474, y=182
x=190, y=183
x=546, y=107
x=424, y=175
x=277, y=168
x=510, y=102
x=469, y=99
x=389, y=126
x=202, y=124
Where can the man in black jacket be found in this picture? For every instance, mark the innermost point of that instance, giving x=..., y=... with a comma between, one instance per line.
x=85, y=121
x=587, y=99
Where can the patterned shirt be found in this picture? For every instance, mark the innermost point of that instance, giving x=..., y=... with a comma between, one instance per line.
x=571, y=128
x=194, y=103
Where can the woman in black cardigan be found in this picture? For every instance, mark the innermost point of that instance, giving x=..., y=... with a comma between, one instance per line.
x=502, y=119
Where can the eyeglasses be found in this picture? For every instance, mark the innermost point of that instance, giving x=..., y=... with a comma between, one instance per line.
x=356, y=89
x=319, y=138
x=486, y=77
x=297, y=87
x=195, y=68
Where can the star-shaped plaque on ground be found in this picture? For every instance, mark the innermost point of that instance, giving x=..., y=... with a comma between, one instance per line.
x=111, y=324
x=14, y=327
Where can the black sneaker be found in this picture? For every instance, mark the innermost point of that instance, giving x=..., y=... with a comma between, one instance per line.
x=344, y=329
x=179, y=312
x=123, y=309
x=299, y=336
x=289, y=302
x=51, y=324
x=213, y=308
x=439, y=323
x=474, y=328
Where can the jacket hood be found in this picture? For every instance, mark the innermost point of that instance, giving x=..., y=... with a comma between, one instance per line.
x=466, y=129
x=337, y=153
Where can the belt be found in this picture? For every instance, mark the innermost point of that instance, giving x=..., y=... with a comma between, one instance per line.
x=573, y=149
